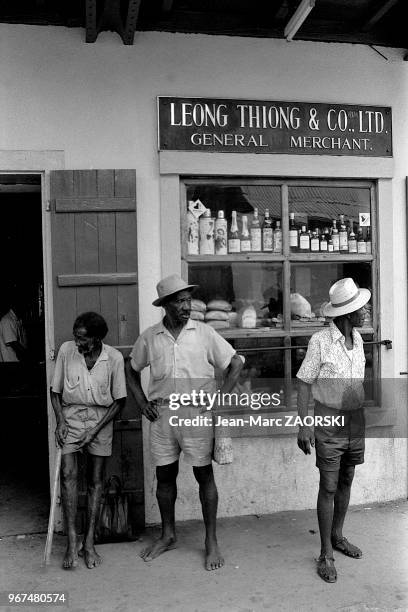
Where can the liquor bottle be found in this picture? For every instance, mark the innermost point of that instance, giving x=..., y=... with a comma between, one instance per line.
x=255, y=232
x=361, y=243
x=343, y=236
x=192, y=233
x=277, y=238
x=352, y=242
x=368, y=240
x=234, y=243
x=336, y=240
x=340, y=222
x=334, y=226
x=304, y=240
x=314, y=241
x=245, y=238
x=267, y=233
x=330, y=244
x=324, y=240
x=206, y=226
x=220, y=234
x=293, y=234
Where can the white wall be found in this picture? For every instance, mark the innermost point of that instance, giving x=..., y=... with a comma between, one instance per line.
x=96, y=102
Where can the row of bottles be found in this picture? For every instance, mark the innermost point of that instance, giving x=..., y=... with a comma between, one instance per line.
x=210, y=236
x=336, y=239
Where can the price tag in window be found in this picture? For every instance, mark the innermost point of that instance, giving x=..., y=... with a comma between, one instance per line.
x=196, y=208
x=364, y=219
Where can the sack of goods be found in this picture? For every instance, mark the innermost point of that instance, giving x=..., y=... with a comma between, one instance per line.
x=198, y=309
x=217, y=314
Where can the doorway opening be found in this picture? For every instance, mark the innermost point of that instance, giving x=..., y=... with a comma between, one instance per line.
x=24, y=474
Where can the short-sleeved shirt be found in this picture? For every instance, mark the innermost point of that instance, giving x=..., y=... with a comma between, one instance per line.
x=182, y=365
x=100, y=386
x=331, y=368
x=11, y=330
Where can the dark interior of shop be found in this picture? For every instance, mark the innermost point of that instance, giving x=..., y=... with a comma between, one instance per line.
x=24, y=476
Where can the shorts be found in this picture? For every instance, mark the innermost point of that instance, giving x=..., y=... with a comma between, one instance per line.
x=340, y=445
x=168, y=437
x=81, y=419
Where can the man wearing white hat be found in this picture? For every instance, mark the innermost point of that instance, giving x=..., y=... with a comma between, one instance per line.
x=333, y=372
x=182, y=355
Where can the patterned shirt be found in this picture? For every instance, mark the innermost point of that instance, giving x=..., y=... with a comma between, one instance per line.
x=100, y=386
x=332, y=369
x=182, y=365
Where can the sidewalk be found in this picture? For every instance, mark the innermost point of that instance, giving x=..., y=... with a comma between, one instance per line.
x=269, y=566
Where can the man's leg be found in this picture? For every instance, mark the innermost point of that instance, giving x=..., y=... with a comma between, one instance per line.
x=95, y=474
x=69, y=496
x=341, y=502
x=166, y=497
x=209, y=503
x=325, y=508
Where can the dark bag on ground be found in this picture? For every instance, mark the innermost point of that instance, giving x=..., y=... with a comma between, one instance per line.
x=113, y=524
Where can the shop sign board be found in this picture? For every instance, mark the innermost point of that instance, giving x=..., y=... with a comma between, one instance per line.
x=253, y=126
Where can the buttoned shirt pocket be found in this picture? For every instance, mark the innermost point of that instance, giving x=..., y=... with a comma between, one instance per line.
x=160, y=368
x=101, y=378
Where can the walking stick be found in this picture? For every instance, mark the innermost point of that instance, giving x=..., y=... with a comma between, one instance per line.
x=51, y=520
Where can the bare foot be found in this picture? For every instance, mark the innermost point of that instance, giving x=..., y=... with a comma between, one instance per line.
x=70, y=560
x=91, y=557
x=158, y=547
x=213, y=558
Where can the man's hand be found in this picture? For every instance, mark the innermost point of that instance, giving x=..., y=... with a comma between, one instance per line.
x=150, y=411
x=305, y=439
x=61, y=432
x=86, y=437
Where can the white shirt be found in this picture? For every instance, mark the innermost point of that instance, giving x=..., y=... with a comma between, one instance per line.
x=332, y=369
x=11, y=330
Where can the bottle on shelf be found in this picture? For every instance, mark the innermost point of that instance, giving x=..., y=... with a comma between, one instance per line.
x=220, y=234
x=343, y=235
x=330, y=244
x=334, y=226
x=245, y=237
x=314, y=241
x=352, y=242
x=277, y=238
x=304, y=240
x=234, y=243
x=192, y=232
x=340, y=222
x=336, y=240
x=368, y=240
x=324, y=240
x=293, y=234
x=267, y=233
x=206, y=226
x=361, y=243
x=255, y=232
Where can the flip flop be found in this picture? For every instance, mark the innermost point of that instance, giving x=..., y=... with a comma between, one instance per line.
x=326, y=569
x=348, y=549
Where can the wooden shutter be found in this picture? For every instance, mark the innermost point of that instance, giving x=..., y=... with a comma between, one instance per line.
x=94, y=259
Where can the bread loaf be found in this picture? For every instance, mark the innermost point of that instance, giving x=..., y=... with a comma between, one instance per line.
x=196, y=316
x=198, y=305
x=216, y=315
x=218, y=324
x=219, y=305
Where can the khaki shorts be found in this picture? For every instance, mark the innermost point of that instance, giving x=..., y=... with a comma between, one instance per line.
x=81, y=419
x=167, y=440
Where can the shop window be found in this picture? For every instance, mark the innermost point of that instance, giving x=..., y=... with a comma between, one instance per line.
x=265, y=253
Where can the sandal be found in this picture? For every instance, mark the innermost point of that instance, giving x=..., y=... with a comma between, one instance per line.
x=348, y=549
x=326, y=569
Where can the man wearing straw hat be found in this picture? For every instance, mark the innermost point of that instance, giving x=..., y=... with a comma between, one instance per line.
x=333, y=372
x=182, y=355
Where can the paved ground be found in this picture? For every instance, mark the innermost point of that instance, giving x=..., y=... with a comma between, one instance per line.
x=269, y=566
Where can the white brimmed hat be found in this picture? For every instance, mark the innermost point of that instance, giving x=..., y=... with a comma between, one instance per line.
x=345, y=297
x=169, y=286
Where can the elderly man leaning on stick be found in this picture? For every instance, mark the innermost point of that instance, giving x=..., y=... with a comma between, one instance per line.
x=333, y=371
x=87, y=392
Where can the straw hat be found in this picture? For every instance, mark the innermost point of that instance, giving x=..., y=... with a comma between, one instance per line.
x=345, y=297
x=169, y=286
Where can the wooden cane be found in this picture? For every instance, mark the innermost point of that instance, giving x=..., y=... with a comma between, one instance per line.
x=51, y=520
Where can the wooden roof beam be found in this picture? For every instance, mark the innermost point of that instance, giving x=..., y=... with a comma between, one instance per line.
x=379, y=15
x=111, y=20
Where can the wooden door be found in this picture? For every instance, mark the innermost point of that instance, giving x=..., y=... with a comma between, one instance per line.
x=94, y=261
